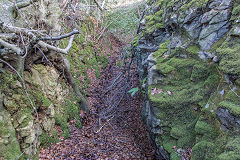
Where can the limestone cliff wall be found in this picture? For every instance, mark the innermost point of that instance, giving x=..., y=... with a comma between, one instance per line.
x=189, y=52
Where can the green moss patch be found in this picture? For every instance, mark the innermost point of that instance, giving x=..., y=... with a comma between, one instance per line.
x=233, y=107
x=83, y=55
x=206, y=129
x=230, y=58
x=9, y=146
x=62, y=122
x=193, y=50
x=156, y=20
x=203, y=150
x=163, y=48
x=191, y=83
x=236, y=11
x=46, y=139
x=232, y=150
x=168, y=143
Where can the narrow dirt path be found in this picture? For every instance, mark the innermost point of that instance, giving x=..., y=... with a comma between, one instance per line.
x=122, y=136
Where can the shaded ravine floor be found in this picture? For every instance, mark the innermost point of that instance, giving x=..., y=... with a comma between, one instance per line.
x=121, y=137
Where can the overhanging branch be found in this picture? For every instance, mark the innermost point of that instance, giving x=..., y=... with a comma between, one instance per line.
x=59, y=37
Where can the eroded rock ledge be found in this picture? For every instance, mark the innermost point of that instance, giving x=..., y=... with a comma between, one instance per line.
x=189, y=51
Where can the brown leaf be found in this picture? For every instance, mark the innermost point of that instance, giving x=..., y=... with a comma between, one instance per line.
x=156, y=91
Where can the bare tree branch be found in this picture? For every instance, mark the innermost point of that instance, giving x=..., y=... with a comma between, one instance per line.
x=17, y=30
x=50, y=47
x=12, y=47
x=60, y=37
x=7, y=36
x=103, y=3
x=39, y=43
x=72, y=83
x=26, y=48
x=25, y=3
x=22, y=15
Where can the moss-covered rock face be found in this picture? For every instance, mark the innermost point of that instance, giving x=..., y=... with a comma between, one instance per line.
x=193, y=86
x=52, y=99
x=9, y=146
x=230, y=57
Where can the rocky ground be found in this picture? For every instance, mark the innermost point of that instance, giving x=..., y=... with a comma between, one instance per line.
x=122, y=136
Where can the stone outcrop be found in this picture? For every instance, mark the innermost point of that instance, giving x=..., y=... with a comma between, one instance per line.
x=8, y=140
x=23, y=130
x=189, y=52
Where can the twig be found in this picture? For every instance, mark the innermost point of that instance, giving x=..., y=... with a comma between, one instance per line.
x=22, y=15
x=44, y=55
x=26, y=49
x=21, y=155
x=114, y=82
x=109, y=109
x=104, y=125
x=23, y=82
x=98, y=5
x=17, y=30
x=234, y=91
x=59, y=37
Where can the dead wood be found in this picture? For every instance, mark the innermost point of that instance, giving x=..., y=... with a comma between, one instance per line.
x=23, y=58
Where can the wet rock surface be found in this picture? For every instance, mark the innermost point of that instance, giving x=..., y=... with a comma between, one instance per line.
x=228, y=121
